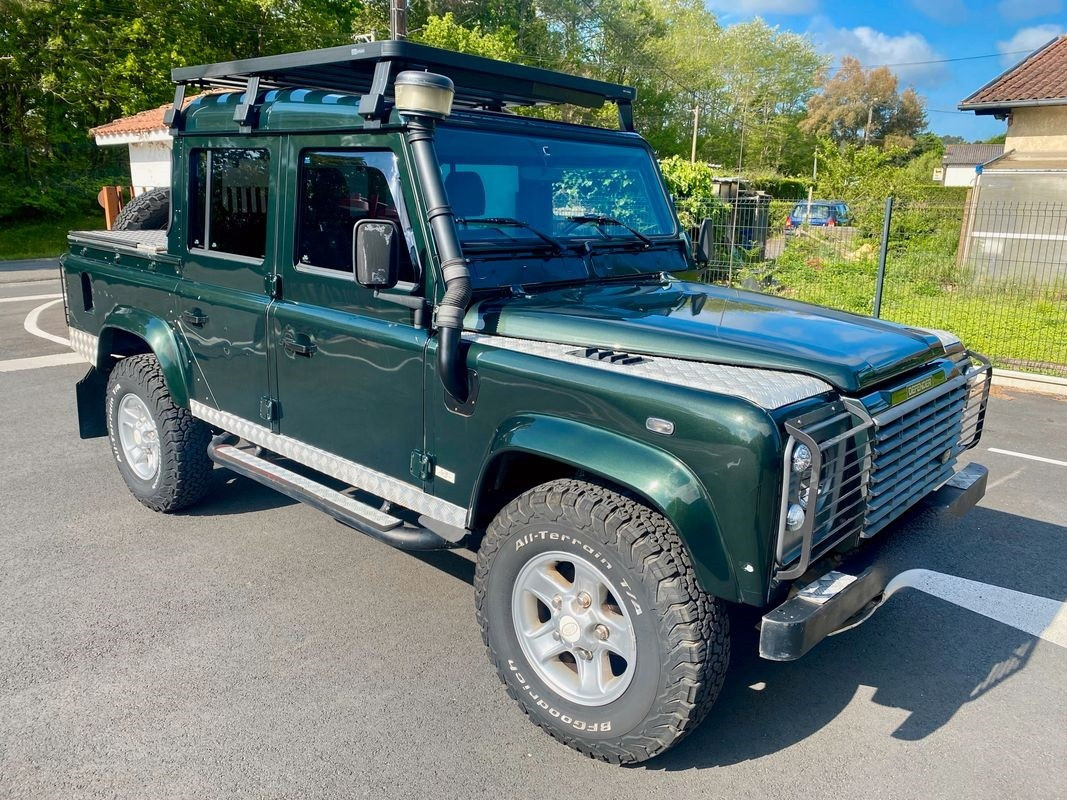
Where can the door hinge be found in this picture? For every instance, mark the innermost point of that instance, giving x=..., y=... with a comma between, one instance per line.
x=421, y=465
x=273, y=284
x=268, y=409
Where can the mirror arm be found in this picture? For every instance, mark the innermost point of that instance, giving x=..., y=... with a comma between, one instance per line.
x=406, y=300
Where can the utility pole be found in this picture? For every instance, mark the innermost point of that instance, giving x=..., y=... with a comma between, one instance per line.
x=870, y=121
x=696, y=122
x=398, y=19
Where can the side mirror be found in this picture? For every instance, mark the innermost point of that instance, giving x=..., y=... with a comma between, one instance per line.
x=705, y=242
x=376, y=253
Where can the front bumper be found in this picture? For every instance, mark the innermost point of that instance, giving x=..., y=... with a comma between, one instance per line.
x=844, y=597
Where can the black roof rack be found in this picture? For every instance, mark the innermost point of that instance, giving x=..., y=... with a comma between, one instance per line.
x=368, y=69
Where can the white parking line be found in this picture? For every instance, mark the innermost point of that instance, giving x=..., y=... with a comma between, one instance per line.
x=33, y=329
x=36, y=362
x=1042, y=459
x=27, y=297
x=1039, y=616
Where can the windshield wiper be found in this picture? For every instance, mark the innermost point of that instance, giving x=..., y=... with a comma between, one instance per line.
x=601, y=221
x=512, y=223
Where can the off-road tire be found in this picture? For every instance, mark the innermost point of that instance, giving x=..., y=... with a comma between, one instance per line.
x=184, y=473
x=148, y=211
x=683, y=636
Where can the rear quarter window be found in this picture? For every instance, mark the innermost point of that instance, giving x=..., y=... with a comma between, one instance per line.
x=228, y=194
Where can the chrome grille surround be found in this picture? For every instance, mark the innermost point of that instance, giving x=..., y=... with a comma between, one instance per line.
x=872, y=467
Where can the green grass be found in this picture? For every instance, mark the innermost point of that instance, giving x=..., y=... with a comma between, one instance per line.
x=43, y=238
x=1018, y=327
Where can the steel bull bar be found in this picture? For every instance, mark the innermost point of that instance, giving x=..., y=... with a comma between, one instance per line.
x=849, y=593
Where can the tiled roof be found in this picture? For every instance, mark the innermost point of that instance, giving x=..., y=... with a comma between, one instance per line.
x=150, y=121
x=1041, y=76
x=142, y=122
x=971, y=154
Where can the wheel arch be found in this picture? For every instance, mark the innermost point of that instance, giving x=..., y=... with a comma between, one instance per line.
x=130, y=331
x=533, y=449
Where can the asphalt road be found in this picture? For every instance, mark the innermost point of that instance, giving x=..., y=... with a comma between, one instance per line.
x=255, y=648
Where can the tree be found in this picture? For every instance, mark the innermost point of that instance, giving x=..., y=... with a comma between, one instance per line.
x=865, y=106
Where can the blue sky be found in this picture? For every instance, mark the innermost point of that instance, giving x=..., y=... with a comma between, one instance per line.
x=908, y=31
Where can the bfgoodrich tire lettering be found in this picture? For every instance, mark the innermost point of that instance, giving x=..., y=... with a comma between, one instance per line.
x=184, y=471
x=682, y=634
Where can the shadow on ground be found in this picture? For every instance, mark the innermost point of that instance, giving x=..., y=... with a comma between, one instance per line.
x=920, y=654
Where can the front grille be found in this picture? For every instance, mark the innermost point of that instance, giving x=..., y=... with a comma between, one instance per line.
x=872, y=467
x=914, y=452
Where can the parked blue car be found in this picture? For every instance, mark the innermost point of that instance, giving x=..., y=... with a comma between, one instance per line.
x=821, y=213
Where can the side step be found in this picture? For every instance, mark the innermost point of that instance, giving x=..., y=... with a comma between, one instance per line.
x=364, y=518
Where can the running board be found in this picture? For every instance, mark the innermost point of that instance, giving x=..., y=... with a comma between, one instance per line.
x=364, y=518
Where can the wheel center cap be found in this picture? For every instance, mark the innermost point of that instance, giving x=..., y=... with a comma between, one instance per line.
x=569, y=630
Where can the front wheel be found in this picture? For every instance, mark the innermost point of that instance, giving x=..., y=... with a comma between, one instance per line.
x=593, y=618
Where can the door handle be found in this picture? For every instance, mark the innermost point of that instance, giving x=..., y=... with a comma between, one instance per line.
x=299, y=344
x=195, y=317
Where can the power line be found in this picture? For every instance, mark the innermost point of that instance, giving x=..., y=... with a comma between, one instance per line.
x=943, y=60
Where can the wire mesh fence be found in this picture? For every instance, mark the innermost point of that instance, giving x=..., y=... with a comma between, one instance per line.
x=994, y=272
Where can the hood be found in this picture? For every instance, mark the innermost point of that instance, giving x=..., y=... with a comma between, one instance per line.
x=698, y=322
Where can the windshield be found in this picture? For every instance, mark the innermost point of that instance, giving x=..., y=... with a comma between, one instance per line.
x=560, y=187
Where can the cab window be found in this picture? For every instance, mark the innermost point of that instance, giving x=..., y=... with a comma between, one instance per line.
x=337, y=189
x=228, y=194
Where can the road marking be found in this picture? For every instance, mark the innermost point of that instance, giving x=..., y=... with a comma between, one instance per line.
x=27, y=297
x=36, y=362
x=1042, y=459
x=1009, y=477
x=1039, y=616
x=33, y=329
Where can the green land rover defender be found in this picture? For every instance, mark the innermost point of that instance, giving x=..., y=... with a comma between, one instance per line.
x=378, y=289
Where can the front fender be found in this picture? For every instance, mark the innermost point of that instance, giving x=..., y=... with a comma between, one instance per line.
x=160, y=338
x=657, y=476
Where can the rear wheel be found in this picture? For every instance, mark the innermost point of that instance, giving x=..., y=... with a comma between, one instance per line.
x=160, y=448
x=148, y=211
x=593, y=618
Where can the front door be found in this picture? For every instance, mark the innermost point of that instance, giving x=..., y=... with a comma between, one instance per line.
x=350, y=365
x=228, y=256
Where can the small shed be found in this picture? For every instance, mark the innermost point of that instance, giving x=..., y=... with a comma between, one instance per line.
x=149, y=142
x=960, y=162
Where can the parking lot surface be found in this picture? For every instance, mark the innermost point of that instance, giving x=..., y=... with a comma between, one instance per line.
x=253, y=647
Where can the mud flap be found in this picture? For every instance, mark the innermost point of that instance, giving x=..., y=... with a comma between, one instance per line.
x=89, y=392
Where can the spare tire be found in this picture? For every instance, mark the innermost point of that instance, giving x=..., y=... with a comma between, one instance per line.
x=148, y=211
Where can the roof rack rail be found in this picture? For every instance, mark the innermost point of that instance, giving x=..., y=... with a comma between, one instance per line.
x=368, y=69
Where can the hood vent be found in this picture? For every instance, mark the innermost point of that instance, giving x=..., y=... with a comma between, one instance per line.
x=607, y=356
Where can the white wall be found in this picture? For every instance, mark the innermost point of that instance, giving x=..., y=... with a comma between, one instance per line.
x=962, y=175
x=149, y=165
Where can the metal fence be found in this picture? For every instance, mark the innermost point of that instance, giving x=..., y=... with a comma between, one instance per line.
x=994, y=273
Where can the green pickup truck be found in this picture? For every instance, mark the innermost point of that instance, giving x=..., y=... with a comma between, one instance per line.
x=377, y=288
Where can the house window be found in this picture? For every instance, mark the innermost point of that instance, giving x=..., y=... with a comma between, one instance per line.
x=229, y=189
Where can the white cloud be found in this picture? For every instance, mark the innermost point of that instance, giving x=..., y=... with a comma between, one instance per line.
x=954, y=11
x=1027, y=40
x=749, y=8
x=1014, y=9
x=874, y=48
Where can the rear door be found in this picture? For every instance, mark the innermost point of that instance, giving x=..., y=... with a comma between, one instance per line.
x=350, y=364
x=230, y=235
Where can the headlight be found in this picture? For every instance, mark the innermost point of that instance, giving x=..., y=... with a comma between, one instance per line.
x=794, y=517
x=801, y=458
